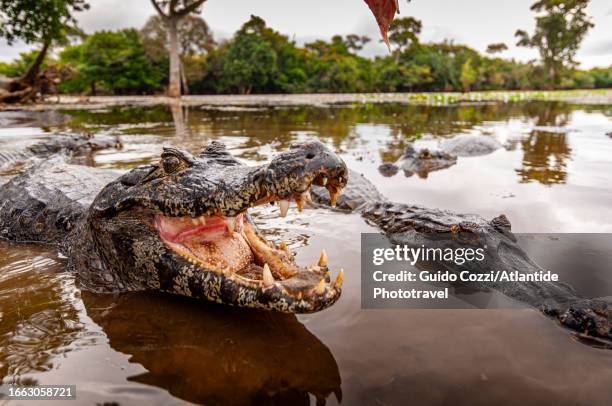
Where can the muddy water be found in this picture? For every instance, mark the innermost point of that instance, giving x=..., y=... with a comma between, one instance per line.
x=552, y=175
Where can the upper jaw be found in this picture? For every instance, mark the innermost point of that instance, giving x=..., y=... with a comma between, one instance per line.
x=211, y=189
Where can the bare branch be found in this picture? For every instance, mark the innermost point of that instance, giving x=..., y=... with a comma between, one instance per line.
x=188, y=9
x=158, y=9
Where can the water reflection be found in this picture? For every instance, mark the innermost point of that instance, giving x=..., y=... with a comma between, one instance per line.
x=201, y=353
x=544, y=145
x=215, y=355
x=545, y=158
x=38, y=320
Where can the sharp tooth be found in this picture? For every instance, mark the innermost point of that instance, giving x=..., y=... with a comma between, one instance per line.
x=324, y=180
x=320, y=289
x=203, y=220
x=231, y=224
x=306, y=197
x=282, y=245
x=323, y=259
x=284, y=207
x=268, y=279
x=195, y=221
x=333, y=196
x=339, y=279
x=300, y=203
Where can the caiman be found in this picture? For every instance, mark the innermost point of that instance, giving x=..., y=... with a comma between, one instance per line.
x=406, y=224
x=180, y=225
x=70, y=145
x=423, y=161
x=420, y=162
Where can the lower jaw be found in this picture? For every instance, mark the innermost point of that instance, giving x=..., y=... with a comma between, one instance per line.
x=227, y=254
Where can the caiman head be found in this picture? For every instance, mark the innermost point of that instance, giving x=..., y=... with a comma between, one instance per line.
x=182, y=226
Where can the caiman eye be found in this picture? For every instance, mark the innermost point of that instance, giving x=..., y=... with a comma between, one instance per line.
x=173, y=164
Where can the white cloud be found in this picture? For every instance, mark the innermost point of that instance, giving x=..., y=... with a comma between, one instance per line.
x=473, y=22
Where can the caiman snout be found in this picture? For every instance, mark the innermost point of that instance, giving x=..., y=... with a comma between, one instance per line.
x=290, y=174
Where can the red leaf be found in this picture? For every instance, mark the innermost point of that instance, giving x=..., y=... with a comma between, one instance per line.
x=384, y=11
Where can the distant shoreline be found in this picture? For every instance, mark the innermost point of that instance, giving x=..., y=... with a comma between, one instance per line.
x=593, y=97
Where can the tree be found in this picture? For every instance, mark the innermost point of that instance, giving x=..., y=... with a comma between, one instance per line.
x=171, y=12
x=496, y=48
x=356, y=42
x=404, y=32
x=250, y=61
x=114, y=61
x=468, y=75
x=558, y=34
x=195, y=41
x=40, y=22
x=195, y=37
x=20, y=66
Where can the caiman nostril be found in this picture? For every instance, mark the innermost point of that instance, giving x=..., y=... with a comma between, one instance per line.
x=310, y=155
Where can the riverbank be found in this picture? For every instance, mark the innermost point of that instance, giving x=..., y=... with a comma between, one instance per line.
x=599, y=96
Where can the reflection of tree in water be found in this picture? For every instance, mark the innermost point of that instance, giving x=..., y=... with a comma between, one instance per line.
x=38, y=318
x=545, y=154
x=278, y=127
x=545, y=157
x=211, y=354
x=555, y=114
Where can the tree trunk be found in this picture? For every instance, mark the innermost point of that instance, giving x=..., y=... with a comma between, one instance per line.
x=174, y=88
x=30, y=76
x=185, y=85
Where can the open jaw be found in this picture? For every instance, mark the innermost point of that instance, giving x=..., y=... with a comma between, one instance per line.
x=248, y=270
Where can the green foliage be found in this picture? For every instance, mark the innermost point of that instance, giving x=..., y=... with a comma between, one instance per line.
x=558, y=34
x=249, y=64
x=404, y=32
x=113, y=62
x=37, y=21
x=258, y=59
x=195, y=42
x=19, y=66
x=195, y=37
x=602, y=77
x=496, y=48
x=468, y=75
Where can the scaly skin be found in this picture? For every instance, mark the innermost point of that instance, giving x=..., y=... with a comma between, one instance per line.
x=68, y=144
x=416, y=225
x=113, y=238
x=420, y=162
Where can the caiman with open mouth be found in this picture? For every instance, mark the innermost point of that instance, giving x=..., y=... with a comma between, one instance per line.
x=180, y=225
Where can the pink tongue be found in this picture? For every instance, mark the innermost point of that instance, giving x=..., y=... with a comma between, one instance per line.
x=178, y=229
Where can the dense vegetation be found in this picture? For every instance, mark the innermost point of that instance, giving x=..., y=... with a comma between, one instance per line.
x=257, y=59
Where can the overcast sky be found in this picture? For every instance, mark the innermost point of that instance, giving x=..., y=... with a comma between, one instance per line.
x=472, y=22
